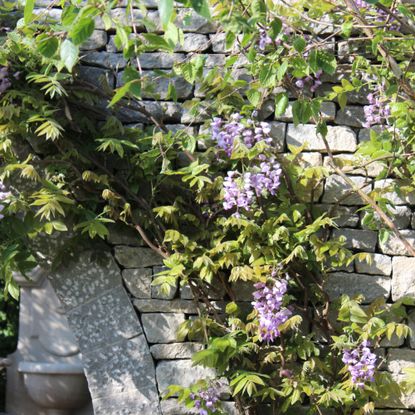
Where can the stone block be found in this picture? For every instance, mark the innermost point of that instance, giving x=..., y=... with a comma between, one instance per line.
x=172, y=112
x=391, y=190
x=180, y=372
x=337, y=190
x=278, y=130
x=403, y=277
x=362, y=240
x=123, y=367
x=95, y=274
x=113, y=61
x=342, y=215
x=381, y=265
x=138, y=281
x=394, y=246
x=101, y=78
x=165, y=306
x=340, y=139
x=161, y=327
x=160, y=60
x=121, y=234
x=218, y=43
x=175, y=350
x=214, y=61
x=401, y=216
x=132, y=257
x=349, y=163
x=371, y=286
x=106, y=319
x=193, y=42
x=327, y=110
x=97, y=40
x=352, y=116
x=364, y=134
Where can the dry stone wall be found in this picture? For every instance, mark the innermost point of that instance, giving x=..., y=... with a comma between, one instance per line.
x=132, y=354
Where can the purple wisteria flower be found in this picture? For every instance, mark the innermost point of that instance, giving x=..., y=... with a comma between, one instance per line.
x=225, y=133
x=268, y=304
x=312, y=81
x=206, y=400
x=5, y=82
x=264, y=39
x=361, y=363
x=378, y=111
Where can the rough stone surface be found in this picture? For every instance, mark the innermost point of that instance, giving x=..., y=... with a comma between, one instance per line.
x=101, y=78
x=174, y=372
x=164, y=306
x=138, y=281
x=130, y=257
x=161, y=327
x=98, y=40
x=328, y=112
x=124, y=235
x=344, y=216
x=381, y=265
x=161, y=60
x=193, y=42
x=352, y=116
x=372, y=286
x=105, y=59
x=357, y=239
x=175, y=350
x=391, y=190
x=394, y=246
x=338, y=190
x=340, y=139
x=403, y=277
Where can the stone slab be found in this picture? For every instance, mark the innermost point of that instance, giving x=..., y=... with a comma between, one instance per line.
x=165, y=306
x=394, y=246
x=162, y=327
x=403, y=277
x=131, y=257
x=381, y=265
x=175, y=350
x=138, y=281
x=363, y=240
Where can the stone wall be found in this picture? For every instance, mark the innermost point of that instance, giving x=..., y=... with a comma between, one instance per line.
x=131, y=356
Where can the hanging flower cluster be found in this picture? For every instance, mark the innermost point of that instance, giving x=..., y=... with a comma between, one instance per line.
x=206, y=400
x=361, y=363
x=240, y=189
x=225, y=133
x=265, y=39
x=378, y=110
x=268, y=304
x=312, y=81
x=5, y=82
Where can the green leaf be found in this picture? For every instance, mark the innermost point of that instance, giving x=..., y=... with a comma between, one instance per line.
x=166, y=11
x=69, y=54
x=82, y=30
x=28, y=11
x=281, y=104
x=299, y=44
x=47, y=46
x=201, y=7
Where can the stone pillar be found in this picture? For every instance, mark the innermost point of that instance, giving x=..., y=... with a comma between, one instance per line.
x=118, y=365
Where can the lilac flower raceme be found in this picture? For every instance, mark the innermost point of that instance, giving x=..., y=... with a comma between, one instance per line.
x=206, y=400
x=225, y=133
x=311, y=82
x=378, y=110
x=264, y=39
x=268, y=304
x=361, y=363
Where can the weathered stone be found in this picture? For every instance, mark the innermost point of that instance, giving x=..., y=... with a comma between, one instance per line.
x=198, y=116
x=362, y=240
x=165, y=306
x=120, y=234
x=338, y=190
x=401, y=217
x=175, y=350
x=309, y=159
x=340, y=139
x=218, y=43
x=101, y=78
x=371, y=286
x=120, y=15
x=186, y=293
x=364, y=134
x=161, y=327
x=124, y=369
x=394, y=246
x=392, y=191
x=411, y=324
x=343, y=215
x=97, y=40
x=155, y=290
x=352, y=116
x=138, y=281
x=104, y=320
x=190, y=21
x=277, y=133
x=95, y=274
x=193, y=42
x=327, y=110
x=403, y=277
x=381, y=265
x=160, y=60
x=179, y=372
x=214, y=61
x=131, y=257
x=349, y=163
x=104, y=59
